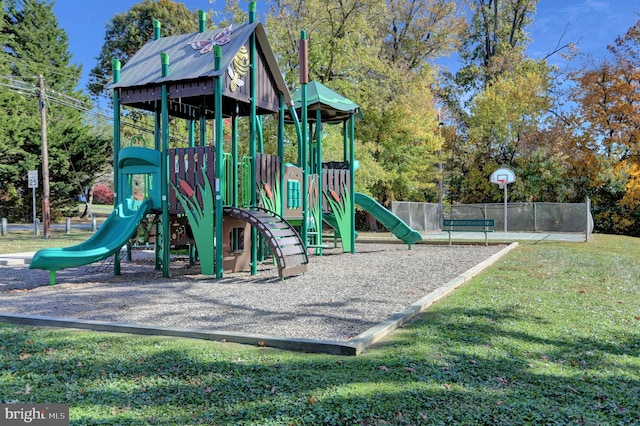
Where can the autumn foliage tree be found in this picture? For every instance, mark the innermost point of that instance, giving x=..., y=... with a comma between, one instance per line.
x=497, y=100
x=608, y=100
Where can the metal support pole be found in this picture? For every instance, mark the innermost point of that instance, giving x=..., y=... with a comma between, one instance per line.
x=318, y=171
x=587, y=229
x=115, y=66
x=505, y=207
x=281, y=153
x=218, y=137
x=440, y=174
x=253, y=109
x=35, y=218
x=164, y=181
x=304, y=80
x=352, y=181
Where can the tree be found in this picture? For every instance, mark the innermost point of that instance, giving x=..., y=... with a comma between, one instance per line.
x=507, y=109
x=127, y=32
x=496, y=28
x=608, y=99
x=374, y=54
x=11, y=104
x=493, y=41
x=419, y=31
x=33, y=44
x=504, y=119
x=499, y=100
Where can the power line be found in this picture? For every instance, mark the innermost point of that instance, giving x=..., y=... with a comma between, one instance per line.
x=15, y=85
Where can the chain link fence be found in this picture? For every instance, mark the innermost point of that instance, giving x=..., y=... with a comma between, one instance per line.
x=423, y=217
x=518, y=217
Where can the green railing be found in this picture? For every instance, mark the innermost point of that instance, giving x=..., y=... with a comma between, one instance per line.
x=245, y=182
x=228, y=185
x=227, y=180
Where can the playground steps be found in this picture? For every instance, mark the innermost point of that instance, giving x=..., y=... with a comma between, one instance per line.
x=283, y=239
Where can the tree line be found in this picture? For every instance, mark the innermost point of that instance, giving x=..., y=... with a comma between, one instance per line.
x=34, y=45
x=567, y=135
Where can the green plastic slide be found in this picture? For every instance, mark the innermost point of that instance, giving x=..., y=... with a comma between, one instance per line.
x=393, y=223
x=330, y=219
x=112, y=235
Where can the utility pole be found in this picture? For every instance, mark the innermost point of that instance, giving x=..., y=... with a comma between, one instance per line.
x=46, y=217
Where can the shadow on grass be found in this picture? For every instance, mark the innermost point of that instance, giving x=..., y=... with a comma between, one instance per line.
x=452, y=366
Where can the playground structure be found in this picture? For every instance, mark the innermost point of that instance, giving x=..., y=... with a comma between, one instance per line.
x=232, y=205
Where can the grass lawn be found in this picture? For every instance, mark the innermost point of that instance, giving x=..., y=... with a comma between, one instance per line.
x=550, y=334
x=26, y=241
x=99, y=210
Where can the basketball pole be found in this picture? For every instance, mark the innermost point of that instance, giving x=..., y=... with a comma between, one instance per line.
x=503, y=177
x=505, y=206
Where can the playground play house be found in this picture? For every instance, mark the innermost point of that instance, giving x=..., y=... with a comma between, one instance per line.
x=227, y=206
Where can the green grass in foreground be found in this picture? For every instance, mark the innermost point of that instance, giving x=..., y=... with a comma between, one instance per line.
x=548, y=335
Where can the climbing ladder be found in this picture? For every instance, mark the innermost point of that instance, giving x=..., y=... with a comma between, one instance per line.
x=283, y=239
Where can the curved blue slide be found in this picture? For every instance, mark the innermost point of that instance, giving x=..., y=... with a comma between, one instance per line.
x=112, y=235
x=393, y=223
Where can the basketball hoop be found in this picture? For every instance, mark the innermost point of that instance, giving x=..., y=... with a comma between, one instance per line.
x=503, y=177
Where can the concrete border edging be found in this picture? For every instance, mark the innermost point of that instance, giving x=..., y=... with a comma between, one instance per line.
x=378, y=332
x=298, y=344
x=353, y=347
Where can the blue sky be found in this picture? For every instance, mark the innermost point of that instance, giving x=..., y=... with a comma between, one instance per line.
x=591, y=23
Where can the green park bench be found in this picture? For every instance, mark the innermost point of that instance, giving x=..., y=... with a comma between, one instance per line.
x=469, y=225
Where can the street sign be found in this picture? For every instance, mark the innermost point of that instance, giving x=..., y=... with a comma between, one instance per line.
x=32, y=177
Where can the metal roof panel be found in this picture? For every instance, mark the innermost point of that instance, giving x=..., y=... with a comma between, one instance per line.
x=185, y=62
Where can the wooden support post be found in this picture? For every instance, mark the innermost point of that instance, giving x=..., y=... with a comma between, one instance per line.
x=46, y=215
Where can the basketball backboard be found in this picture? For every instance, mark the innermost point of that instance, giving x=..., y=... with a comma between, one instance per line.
x=502, y=176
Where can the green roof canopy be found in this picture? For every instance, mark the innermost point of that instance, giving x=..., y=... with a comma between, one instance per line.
x=333, y=107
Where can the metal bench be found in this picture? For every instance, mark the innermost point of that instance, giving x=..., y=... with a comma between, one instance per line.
x=469, y=225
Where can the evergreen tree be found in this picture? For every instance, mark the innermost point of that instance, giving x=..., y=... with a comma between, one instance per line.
x=34, y=45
